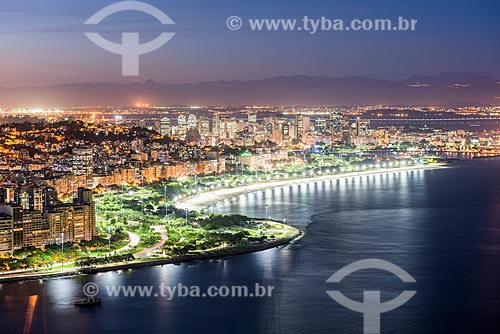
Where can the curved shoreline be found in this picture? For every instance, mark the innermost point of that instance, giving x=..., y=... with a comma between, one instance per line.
x=230, y=251
x=39, y=276
x=206, y=199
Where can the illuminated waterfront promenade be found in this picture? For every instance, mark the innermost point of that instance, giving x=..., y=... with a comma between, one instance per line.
x=206, y=199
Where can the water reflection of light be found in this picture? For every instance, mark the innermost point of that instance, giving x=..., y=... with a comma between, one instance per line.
x=63, y=290
x=243, y=199
x=266, y=262
x=30, y=311
x=169, y=273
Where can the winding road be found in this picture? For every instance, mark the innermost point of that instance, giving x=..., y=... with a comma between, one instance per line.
x=145, y=252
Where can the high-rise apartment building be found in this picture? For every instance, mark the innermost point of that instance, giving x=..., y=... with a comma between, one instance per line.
x=15, y=238
x=83, y=165
x=35, y=229
x=34, y=198
x=76, y=220
x=6, y=242
x=21, y=227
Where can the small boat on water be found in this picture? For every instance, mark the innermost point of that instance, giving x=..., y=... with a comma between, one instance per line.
x=296, y=245
x=88, y=302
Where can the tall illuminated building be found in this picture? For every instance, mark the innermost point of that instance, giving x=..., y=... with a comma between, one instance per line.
x=11, y=228
x=35, y=229
x=165, y=126
x=302, y=126
x=76, y=220
x=204, y=126
x=192, y=121
x=362, y=127
x=6, y=242
x=216, y=127
x=252, y=117
x=181, y=126
x=320, y=124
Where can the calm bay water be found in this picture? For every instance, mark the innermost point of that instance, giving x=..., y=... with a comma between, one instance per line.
x=442, y=226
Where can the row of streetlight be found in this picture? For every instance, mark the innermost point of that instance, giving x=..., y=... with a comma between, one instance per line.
x=294, y=175
x=311, y=173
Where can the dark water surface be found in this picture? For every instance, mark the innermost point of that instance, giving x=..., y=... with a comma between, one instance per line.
x=441, y=226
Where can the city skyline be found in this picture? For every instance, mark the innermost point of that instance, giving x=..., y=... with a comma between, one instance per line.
x=250, y=167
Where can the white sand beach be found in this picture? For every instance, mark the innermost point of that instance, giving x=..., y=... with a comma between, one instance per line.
x=205, y=199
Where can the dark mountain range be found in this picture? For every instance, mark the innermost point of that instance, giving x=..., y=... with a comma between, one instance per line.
x=442, y=89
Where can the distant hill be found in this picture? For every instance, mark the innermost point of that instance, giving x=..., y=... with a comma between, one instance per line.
x=441, y=89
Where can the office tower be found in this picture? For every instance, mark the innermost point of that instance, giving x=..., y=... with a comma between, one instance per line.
x=216, y=127
x=285, y=131
x=320, y=124
x=278, y=133
x=302, y=126
x=336, y=121
x=166, y=126
x=83, y=165
x=181, y=126
x=362, y=127
x=192, y=121
x=228, y=128
x=204, y=126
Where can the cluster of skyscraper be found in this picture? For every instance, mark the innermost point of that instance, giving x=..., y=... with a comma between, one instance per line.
x=279, y=129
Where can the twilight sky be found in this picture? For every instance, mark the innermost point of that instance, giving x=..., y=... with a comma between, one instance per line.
x=42, y=42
